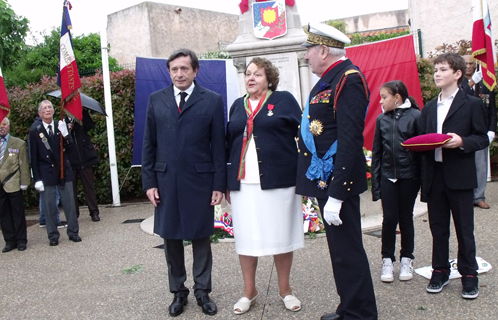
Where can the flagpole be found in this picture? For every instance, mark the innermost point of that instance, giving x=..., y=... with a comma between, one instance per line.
x=116, y=201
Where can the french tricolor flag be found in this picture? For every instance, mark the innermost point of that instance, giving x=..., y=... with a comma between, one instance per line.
x=483, y=49
x=4, y=101
x=68, y=78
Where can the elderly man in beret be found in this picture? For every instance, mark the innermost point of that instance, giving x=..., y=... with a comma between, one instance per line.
x=331, y=165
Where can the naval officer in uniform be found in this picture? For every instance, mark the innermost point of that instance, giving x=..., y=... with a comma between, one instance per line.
x=331, y=165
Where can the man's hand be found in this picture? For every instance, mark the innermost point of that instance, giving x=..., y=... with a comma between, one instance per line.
x=153, y=195
x=39, y=186
x=477, y=76
x=63, y=128
x=331, y=211
x=216, y=198
x=227, y=196
x=24, y=187
x=455, y=142
x=491, y=136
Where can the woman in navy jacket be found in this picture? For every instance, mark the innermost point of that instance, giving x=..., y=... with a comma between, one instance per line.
x=261, y=173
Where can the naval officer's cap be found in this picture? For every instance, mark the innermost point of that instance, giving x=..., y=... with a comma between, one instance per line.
x=323, y=34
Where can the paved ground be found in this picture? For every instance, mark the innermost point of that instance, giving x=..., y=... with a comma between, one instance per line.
x=86, y=280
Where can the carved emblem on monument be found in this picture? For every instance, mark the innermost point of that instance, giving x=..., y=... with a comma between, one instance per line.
x=269, y=19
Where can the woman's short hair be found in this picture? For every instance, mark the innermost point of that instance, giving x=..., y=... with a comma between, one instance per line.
x=271, y=71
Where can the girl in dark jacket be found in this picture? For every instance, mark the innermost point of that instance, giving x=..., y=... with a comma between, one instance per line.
x=395, y=175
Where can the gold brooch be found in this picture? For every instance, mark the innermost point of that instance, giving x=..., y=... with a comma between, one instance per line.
x=322, y=184
x=316, y=127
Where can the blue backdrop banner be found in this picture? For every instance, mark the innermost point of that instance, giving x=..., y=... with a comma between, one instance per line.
x=152, y=75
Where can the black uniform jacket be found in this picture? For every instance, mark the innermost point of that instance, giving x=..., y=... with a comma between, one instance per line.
x=345, y=123
x=274, y=136
x=45, y=163
x=466, y=117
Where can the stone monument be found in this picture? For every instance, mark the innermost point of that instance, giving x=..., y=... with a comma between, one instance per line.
x=284, y=52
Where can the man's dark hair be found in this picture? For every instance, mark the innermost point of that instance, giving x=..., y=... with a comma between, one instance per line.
x=194, y=62
x=454, y=60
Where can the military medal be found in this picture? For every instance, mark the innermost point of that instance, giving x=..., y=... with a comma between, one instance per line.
x=270, y=110
x=322, y=184
x=316, y=127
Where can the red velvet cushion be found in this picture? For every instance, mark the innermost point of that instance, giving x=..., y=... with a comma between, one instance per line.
x=426, y=142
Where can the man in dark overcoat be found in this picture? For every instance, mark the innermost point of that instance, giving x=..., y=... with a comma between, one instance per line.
x=332, y=166
x=184, y=174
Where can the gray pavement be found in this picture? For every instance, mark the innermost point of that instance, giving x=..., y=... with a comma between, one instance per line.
x=86, y=280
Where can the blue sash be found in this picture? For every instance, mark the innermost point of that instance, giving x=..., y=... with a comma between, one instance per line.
x=319, y=168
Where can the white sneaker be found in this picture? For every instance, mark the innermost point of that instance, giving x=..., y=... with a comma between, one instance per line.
x=387, y=270
x=406, y=269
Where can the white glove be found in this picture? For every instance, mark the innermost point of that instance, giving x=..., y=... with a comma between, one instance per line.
x=63, y=128
x=39, y=186
x=491, y=136
x=477, y=76
x=331, y=211
x=24, y=187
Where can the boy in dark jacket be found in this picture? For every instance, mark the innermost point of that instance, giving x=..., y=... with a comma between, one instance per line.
x=449, y=173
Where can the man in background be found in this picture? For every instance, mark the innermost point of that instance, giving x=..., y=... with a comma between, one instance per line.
x=14, y=177
x=472, y=84
x=83, y=158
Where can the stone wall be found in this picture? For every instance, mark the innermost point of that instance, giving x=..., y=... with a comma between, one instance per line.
x=152, y=29
x=445, y=21
x=376, y=21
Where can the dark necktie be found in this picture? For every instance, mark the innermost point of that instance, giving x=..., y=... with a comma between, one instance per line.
x=183, y=95
x=50, y=132
x=2, y=149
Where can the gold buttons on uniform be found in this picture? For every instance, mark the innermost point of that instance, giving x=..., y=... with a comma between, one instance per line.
x=305, y=154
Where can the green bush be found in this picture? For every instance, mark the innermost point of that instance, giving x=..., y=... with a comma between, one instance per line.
x=24, y=105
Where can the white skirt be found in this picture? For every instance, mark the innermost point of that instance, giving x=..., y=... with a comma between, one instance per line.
x=266, y=222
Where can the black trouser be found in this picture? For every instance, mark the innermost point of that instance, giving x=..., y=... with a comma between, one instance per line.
x=397, y=204
x=202, y=266
x=350, y=264
x=12, y=217
x=87, y=179
x=441, y=203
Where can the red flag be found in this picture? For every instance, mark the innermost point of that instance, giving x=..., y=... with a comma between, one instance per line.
x=69, y=78
x=483, y=49
x=4, y=101
x=380, y=62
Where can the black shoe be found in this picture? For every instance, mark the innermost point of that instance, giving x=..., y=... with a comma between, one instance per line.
x=53, y=243
x=331, y=316
x=439, y=279
x=61, y=225
x=21, y=247
x=9, y=247
x=75, y=238
x=470, y=287
x=176, y=307
x=95, y=217
x=208, y=306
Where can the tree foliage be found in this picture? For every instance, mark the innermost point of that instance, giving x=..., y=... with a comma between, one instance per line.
x=23, y=103
x=43, y=59
x=13, y=31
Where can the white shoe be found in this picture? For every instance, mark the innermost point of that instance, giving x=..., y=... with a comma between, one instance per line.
x=387, y=270
x=406, y=269
x=244, y=304
x=291, y=303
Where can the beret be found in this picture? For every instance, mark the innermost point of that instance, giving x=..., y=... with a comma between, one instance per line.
x=426, y=142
